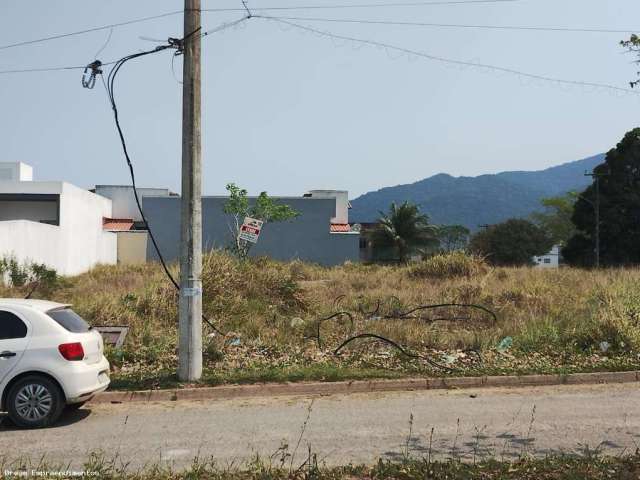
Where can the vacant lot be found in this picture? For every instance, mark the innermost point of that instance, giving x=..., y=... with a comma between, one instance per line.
x=267, y=314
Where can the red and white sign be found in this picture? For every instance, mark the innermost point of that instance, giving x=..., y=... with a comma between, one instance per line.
x=250, y=229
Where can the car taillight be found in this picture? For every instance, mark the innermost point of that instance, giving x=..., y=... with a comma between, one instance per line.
x=72, y=351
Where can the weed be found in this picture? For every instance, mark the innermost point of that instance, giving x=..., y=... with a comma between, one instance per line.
x=560, y=320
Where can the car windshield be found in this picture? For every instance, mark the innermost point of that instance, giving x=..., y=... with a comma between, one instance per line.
x=69, y=320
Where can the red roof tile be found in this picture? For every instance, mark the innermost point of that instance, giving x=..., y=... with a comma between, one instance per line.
x=117, y=224
x=340, y=227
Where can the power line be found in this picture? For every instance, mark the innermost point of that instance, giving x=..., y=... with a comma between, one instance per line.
x=445, y=60
x=45, y=69
x=246, y=9
x=219, y=28
x=89, y=30
x=362, y=5
x=455, y=25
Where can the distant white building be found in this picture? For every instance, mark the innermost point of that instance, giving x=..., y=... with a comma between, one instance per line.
x=550, y=260
x=54, y=223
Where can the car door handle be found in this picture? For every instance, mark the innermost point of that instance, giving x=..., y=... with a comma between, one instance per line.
x=7, y=354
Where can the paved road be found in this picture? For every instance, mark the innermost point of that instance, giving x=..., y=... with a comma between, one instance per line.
x=346, y=428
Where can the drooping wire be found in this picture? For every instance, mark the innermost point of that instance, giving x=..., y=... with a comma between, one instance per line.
x=111, y=93
x=245, y=8
x=457, y=25
x=112, y=99
x=172, y=43
x=104, y=45
x=395, y=345
x=416, y=53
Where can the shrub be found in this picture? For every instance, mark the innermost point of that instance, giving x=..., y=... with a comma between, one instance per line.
x=450, y=265
x=21, y=274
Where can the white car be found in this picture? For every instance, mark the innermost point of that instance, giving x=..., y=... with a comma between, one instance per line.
x=49, y=358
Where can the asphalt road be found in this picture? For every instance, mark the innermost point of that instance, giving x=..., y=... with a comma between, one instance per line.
x=357, y=428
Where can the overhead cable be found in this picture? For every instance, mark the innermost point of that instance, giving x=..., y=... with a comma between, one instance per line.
x=245, y=8
x=457, y=25
x=362, y=5
x=88, y=30
x=219, y=28
x=462, y=63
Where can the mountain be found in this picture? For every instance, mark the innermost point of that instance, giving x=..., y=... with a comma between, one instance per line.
x=475, y=201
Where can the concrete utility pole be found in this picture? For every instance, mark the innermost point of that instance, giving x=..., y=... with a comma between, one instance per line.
x=190, y=308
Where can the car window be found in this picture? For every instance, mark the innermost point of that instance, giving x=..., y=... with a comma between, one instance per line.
x=11, y=326
x=69, y=320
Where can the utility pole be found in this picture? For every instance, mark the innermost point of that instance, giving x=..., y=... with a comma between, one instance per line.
x=190, y=307
x=596, y=178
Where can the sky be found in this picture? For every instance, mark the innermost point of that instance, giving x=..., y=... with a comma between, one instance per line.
x=286, y=110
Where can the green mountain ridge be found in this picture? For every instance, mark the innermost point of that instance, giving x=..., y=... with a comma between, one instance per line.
x=475, y=201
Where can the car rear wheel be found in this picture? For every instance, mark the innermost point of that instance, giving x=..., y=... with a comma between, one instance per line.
x=35, y=402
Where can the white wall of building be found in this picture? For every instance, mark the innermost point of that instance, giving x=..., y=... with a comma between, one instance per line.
x=32, y=242
x=73, y=247
x=81, y=214
x=123, y=200
x=15, y=172
x=342, y=203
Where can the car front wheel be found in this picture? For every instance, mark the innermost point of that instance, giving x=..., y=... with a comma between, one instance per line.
x=35, y=402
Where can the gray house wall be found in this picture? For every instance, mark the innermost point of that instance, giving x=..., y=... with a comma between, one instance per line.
x=307, y=237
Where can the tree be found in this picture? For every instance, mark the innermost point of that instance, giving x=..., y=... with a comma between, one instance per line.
x=633, y=44
x=514, y=242
x=619, y=178
x=404, y=230
x=453, y=237
x=556, y=220
x=262, y=208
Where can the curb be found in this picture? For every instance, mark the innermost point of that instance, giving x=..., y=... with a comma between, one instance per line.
x=226, y=392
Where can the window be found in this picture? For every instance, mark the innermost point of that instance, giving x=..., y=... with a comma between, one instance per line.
x=69, y=320
x=11, y=326
x=547, y=260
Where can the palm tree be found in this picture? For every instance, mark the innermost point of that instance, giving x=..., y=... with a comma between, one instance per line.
x=404, y=230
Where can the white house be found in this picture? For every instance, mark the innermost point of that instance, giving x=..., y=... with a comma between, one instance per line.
x=54, y=223
x=550, y=260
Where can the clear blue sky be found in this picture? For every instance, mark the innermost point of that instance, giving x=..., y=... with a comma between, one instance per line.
x=285, y=111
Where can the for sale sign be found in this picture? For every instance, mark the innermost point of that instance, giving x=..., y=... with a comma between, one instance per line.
x=250, y=229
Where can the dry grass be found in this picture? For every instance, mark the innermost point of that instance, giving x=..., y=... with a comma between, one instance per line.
x=557, y=318
x=553, y=467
